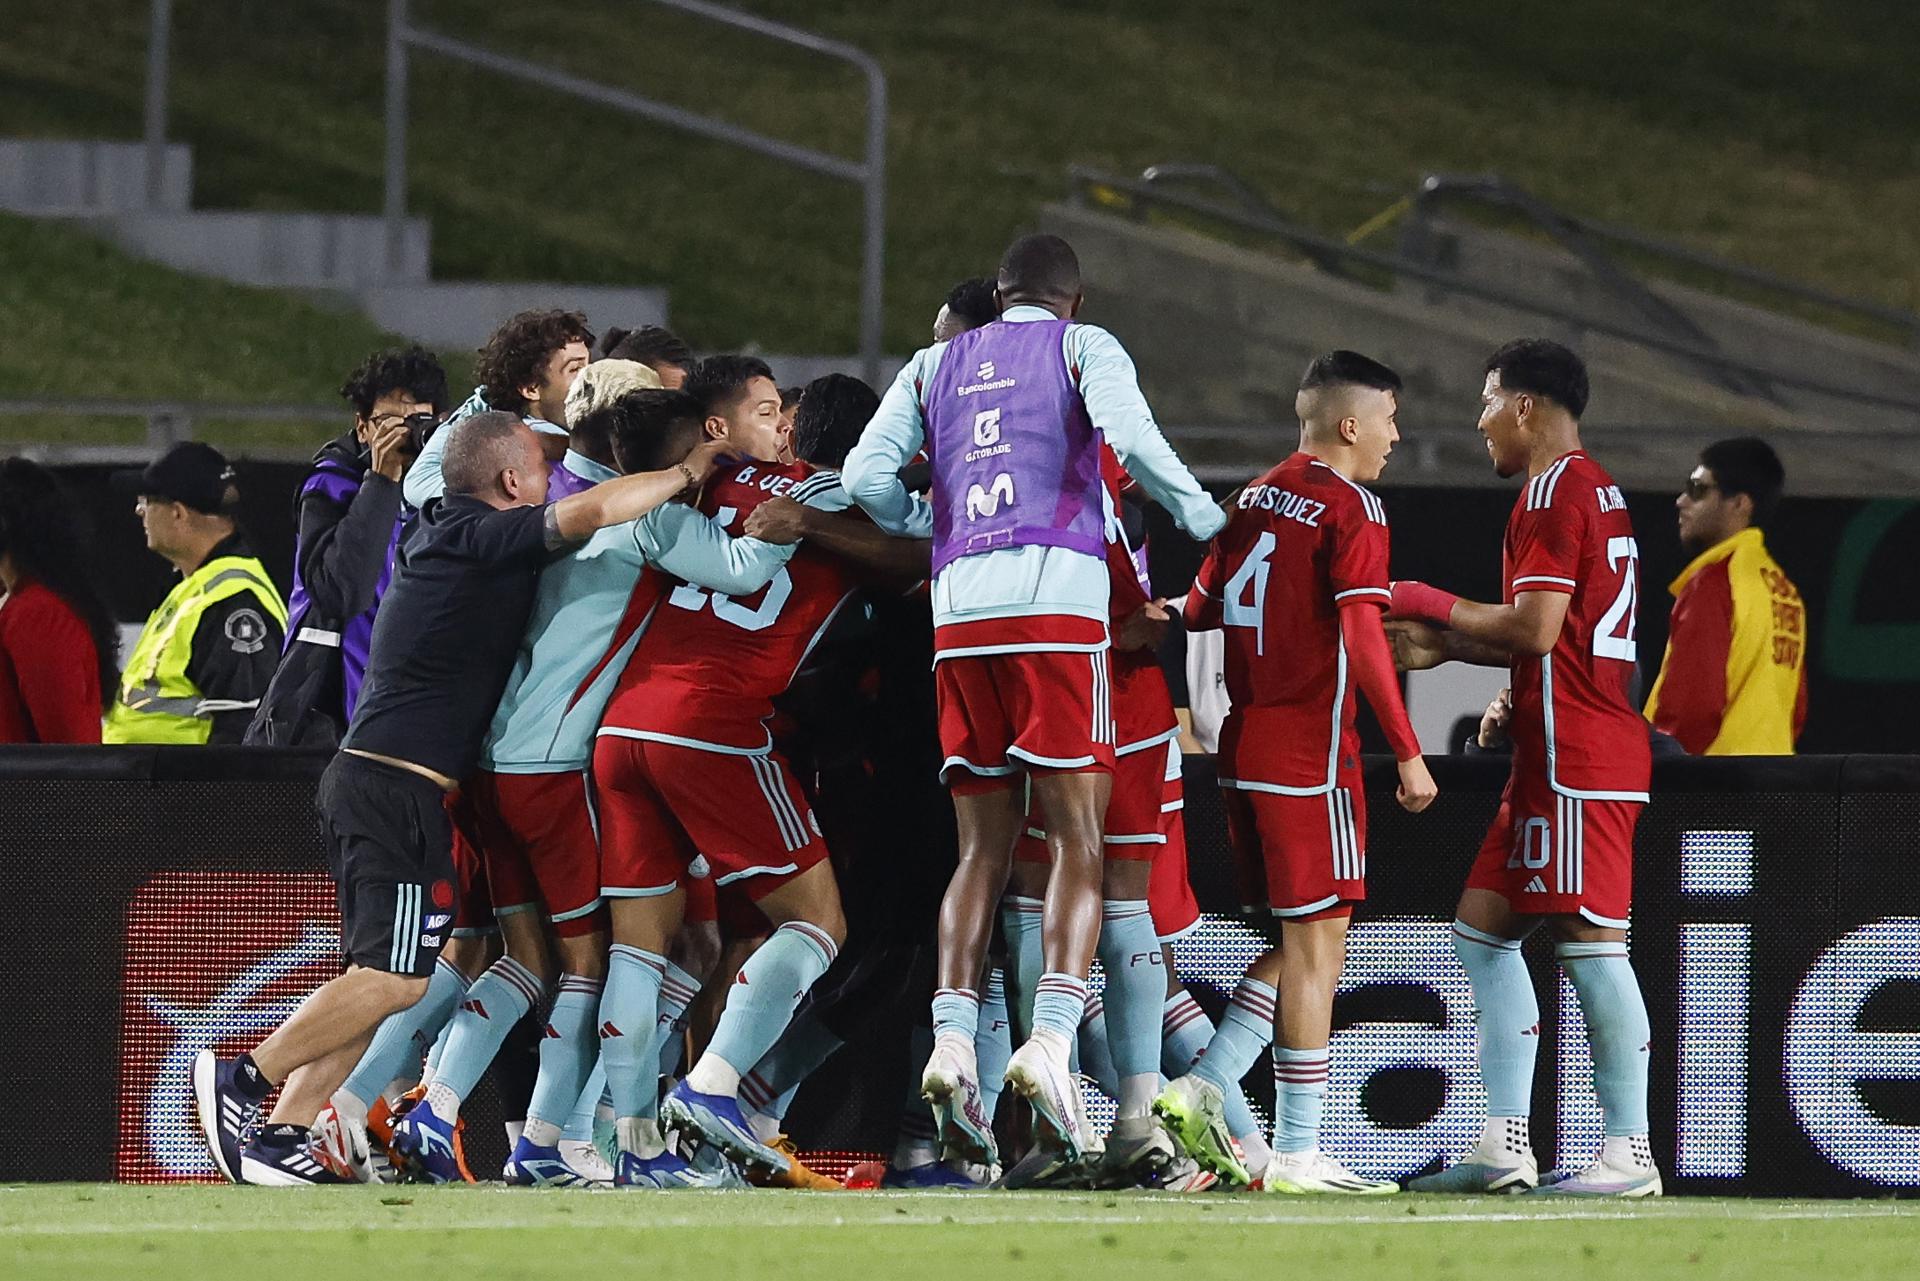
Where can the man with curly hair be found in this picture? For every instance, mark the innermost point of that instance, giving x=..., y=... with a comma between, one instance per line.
x=526, y=367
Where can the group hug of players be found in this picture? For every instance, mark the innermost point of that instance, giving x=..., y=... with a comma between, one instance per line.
x=996, y=470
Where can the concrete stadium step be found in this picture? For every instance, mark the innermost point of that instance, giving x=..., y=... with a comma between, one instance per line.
x=446, y=313
x=56, y=178
x=279, y=250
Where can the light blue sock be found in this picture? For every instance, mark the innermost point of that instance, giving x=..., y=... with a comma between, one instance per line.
x=403, y=1038
x=771, y=983
x=1129, y=951
x=1506, y=1017
x=993, y=1041
x=1020, y=925
x=1093, y=1053
x=580, y=1120
x=1059, y=1003
x=628, y=1009
x=497, y=1000
x=1299, y=1088
x=1245, y=1030
x=956, y=1012
x=1185, y=1031
x=1617, y=1030
x=567, y=1051
x=678, y=990
x=801, y=1049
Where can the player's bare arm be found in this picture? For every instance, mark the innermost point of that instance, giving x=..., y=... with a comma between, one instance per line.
x=859, y=542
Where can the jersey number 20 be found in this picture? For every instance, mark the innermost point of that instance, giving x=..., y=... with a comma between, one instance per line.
x=1614, y=637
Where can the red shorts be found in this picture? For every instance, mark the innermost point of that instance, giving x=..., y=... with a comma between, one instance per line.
x=473, y=898
x=1002, y=714
x=1170, y=894
x=1133, y=827
x=730, y=909
x=1301, y=857
x=535, y=832
x=1552, y=855
x=661, y=805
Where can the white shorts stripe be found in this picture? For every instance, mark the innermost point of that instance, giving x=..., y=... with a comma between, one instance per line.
x=770, y=788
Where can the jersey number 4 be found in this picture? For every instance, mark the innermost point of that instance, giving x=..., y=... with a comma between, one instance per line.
x=1614, y=637
x=726, y=608
x=1246, y=593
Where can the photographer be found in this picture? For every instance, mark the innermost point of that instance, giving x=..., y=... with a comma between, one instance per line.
x=347, y=513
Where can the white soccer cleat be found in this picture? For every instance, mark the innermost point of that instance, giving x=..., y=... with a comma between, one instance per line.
x=1603, y=1178
x=1046, y=1083
x=1314, y=1173
x=341, y=1145
x=951, y=1085
x=585, y=1160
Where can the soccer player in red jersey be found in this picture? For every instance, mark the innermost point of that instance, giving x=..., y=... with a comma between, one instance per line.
x=1298, y=579
x=1561, y=848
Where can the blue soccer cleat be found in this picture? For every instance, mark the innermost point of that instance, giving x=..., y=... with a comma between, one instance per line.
x=932, y=1176
x=538, y=1167
x=282, y=1156
x=715, y=1119
x=425, y=1145
x=670, y=1170
x=227, y=1115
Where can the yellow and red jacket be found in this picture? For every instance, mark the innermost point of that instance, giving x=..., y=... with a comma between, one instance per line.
x=1734, y=679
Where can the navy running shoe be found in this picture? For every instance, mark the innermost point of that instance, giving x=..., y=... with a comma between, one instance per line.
x=424, y=1144
x=715, y=1119
x=933, y=1175
x=226, y=1112
x=282, y=1156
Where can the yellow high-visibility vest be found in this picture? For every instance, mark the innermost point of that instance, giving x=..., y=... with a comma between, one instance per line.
x=157, y=703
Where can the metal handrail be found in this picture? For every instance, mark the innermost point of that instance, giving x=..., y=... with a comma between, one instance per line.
x=1308, y=241
x=1491, y=189
x=168, y=423
x=869, y=172
x=1241, y=190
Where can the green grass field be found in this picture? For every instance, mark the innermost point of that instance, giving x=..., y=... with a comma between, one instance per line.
x=466, y=1234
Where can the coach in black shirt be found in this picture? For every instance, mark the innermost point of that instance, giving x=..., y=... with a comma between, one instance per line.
x=443, y=644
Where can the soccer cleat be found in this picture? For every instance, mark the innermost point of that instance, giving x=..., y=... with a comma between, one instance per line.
x=425, y=1148
x=342, y=1146
x=799, y=1175
x=1054, y=1094
x=1194, y=1110
x=538, y=1167
x=933, y=1176
x=1139, y=1153
x=586, y=1160
x=1602, y=1178
x=951, y=1085
x=1187, y=1175
x=282, y=1156
x=226, y=1115
x=1307, y=1173
x=668, y=1170
x=1046, y=1166
x=715, y=1119
x=1476, y=1176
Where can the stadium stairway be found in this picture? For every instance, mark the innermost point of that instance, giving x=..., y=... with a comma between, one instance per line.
x=1220, y=330
x=334, y=257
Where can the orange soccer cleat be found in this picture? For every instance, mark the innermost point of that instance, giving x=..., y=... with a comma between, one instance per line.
x=798, y=1176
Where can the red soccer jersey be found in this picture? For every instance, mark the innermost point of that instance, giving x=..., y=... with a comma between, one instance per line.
x=1303, y=540
x=1572, y=717
x=1142, y=706
x=707, y=670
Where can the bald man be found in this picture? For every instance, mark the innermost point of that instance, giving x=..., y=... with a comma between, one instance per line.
x=442, y=647
x=1298, y=580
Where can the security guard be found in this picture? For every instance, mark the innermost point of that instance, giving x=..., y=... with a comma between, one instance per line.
x=207, y=654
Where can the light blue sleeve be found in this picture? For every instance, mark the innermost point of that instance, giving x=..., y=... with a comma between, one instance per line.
x=895, y=434
x=682, y=541
x=1111, y=389
x=424, y=479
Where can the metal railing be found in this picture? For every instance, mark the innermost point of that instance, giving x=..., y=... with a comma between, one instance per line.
x=168, y=422
x=403, y=36
x=1136, y=197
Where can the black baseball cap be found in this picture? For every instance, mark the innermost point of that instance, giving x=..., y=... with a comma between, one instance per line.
x=191, y=472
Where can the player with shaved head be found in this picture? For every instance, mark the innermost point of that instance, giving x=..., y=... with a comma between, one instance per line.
x=1013, y=415
x=1298, y=580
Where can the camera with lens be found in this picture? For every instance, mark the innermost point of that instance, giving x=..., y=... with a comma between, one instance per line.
x=419, y=428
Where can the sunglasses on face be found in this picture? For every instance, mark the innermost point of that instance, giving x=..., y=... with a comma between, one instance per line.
x=1698, y=489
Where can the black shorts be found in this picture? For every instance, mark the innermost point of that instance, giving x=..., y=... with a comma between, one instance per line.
x=390, y=849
